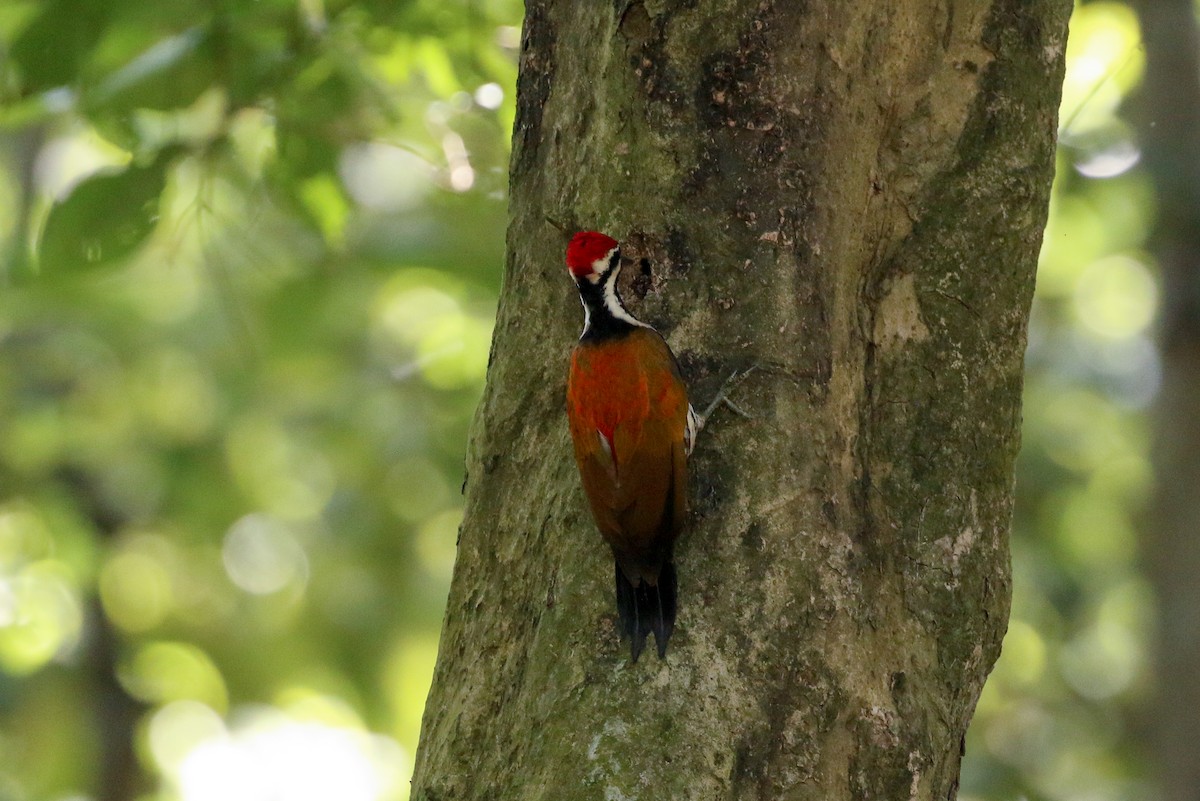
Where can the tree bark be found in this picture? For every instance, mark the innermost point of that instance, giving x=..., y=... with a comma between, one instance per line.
x=1170, y=130
x=850, y=195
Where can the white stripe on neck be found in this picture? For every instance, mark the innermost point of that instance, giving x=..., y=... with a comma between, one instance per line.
x=601, y=272
x=611, y=301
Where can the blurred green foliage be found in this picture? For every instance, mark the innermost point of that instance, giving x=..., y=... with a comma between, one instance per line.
x=249, y=257
x=1060, y=718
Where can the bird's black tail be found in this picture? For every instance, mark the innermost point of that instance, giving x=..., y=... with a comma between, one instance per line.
x=645, y=608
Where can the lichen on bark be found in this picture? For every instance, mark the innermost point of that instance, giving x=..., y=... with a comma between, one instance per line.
x=851, y=198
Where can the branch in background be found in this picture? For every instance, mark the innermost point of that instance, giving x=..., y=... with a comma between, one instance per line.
x=1170, y=128
x=26, y=146
x=119, y=775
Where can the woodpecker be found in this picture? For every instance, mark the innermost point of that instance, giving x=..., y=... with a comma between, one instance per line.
x=633, y=429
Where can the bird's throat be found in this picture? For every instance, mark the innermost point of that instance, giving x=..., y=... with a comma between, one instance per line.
x=605, y=314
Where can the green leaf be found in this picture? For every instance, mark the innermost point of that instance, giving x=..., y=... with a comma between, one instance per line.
x=52, y=49
x=103, y=220
x=301, y=158
x=169, y=74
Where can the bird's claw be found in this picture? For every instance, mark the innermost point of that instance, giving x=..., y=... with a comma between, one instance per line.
x=722, y=398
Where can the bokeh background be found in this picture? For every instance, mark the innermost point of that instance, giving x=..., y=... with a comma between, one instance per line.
x=249, y=258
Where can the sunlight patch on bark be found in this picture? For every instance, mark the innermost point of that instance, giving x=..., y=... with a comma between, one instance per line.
x=898, y=319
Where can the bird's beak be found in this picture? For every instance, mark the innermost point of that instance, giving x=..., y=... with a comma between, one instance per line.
x=626, y=262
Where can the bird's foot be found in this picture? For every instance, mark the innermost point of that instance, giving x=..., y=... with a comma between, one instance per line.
x=722, y=398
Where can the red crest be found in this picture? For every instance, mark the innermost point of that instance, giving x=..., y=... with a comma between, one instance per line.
x=585, y=248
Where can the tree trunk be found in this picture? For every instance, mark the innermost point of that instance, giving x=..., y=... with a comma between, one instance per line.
x=1170, y=127
x=850, y=195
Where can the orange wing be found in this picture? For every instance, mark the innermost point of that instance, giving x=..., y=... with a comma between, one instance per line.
x=627, y=408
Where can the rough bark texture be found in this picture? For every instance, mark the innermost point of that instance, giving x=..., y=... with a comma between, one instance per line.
x=1171, y=137
x=851, y=195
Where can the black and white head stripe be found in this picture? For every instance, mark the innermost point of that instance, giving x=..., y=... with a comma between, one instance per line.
x=609, y=262
x=602, y=305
